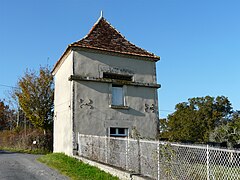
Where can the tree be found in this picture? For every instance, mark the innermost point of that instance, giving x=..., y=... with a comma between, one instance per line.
x=35, y=97
x=6, y=115
x=229, y=132
x=3, y=119
x=195, y=119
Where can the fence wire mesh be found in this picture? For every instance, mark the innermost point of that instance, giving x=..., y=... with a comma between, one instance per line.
x=161, y=160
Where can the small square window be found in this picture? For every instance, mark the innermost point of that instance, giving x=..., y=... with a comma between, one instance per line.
x=121, y=130
x=118, y=132
x=112, y=130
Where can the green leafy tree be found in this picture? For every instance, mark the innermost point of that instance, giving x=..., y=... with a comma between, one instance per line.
x=5, y=115
x=229, y=132
x=163, y=125
x=35, y=97
x=195, y=119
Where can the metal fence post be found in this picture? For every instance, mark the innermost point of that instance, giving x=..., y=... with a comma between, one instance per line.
x=105, y=149
x=79, y=146
x=158, y=160
x=207, y=163
x=92, y=146
x=139, y=156
x=126, y=151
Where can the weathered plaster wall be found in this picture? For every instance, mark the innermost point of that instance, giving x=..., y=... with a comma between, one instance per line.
x=93, y=64
x=97, y=119
x=63, y=108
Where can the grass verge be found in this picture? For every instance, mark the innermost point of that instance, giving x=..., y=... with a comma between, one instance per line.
x=74, y=168
x=29, y=151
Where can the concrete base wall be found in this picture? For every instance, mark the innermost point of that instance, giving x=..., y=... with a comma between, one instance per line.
x=115, y=172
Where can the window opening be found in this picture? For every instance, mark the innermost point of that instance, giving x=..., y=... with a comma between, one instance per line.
x=117, y=76
x=118, y=132
x=117, y=95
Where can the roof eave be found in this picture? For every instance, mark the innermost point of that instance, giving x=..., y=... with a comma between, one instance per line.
x=152, y=58
x=61, y=60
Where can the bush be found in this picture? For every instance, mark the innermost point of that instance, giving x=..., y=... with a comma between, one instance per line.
x=19, y=139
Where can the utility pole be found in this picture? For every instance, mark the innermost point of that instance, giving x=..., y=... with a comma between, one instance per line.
x=18, y=116
x=25, y=126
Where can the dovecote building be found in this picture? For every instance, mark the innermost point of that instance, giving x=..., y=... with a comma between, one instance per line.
x=106, y=86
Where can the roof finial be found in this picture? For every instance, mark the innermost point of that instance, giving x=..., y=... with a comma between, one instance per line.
x=101, y=14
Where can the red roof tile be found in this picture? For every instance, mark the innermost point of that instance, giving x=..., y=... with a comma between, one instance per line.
x=105, y=37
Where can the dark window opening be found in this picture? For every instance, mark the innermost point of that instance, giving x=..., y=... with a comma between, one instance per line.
x=117, y=76
x=112, y=130
x=121, y=130
x=118, y=132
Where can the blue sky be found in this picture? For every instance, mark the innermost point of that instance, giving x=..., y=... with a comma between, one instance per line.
x=198, y=41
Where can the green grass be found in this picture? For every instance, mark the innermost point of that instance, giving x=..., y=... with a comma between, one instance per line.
x=74, y=168
x=29, y=151
x=199, y=171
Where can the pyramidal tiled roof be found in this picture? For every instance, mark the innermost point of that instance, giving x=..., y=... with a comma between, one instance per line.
x=103, y=36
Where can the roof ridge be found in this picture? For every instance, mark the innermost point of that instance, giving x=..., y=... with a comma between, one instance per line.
x=90, y=29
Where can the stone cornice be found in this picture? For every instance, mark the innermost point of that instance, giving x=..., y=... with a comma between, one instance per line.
x=121, y=82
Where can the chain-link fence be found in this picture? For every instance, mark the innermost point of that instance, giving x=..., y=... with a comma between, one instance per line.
x=161, y=160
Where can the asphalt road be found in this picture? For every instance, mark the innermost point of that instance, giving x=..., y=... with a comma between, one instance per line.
x=18, y=166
